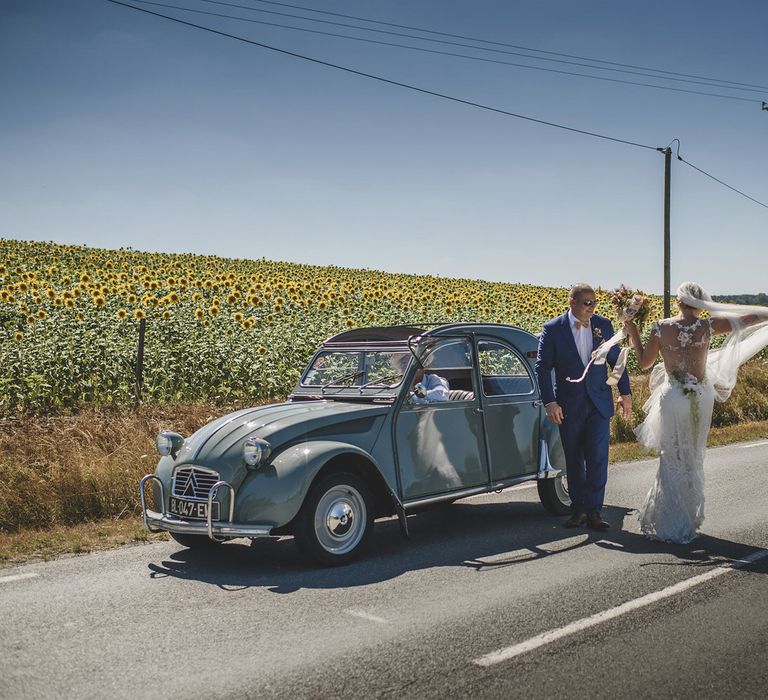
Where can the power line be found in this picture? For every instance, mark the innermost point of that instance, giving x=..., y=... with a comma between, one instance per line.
x=642, y=72
x=725, y=184
x=384, y=80
x=431, y=92
x=452, y=54
x=498, y=43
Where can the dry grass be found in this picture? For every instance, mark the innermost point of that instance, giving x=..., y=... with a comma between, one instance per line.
x=66, y=470
x=73, y=539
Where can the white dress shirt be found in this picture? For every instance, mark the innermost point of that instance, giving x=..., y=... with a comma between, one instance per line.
x=437, y=389
x=582, y=336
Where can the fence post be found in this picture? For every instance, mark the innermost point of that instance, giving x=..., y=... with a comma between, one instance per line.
x=140, y=362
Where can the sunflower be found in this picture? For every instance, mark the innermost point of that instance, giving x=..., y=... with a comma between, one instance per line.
x=139, y=314
x=18, y=336
x=199, y=313
x=121, y=314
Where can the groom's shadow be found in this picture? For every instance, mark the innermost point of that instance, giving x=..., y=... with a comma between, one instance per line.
x=706, y=551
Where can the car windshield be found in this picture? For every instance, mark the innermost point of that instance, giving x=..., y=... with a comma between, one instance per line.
x=357, y=368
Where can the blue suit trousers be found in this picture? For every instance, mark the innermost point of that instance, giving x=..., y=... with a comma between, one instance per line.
x=585, y=433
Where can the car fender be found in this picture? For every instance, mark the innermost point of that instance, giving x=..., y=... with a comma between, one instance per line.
x=273, y=494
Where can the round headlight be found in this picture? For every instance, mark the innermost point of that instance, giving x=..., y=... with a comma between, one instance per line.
x=168, y=443
x=255, y=451
x=164, y=444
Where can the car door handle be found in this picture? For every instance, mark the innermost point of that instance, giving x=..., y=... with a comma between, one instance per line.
x=538, y=403
x=477, y=410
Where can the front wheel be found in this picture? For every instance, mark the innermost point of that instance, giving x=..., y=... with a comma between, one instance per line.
x=336, y=519
x=554, y=495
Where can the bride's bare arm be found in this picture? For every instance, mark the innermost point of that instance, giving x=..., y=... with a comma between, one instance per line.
x=646, y=356
x=723, y=325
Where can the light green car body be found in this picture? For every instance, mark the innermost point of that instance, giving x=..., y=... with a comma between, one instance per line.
x=408, y=454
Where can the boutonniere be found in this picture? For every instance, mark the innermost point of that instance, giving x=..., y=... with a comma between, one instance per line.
x=597, y=334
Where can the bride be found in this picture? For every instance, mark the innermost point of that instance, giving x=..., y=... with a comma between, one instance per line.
x=683, y=391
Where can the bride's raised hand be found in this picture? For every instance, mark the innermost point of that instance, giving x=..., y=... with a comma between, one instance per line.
x=629, y=326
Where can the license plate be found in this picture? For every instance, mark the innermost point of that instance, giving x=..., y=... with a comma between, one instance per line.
x=194, y=510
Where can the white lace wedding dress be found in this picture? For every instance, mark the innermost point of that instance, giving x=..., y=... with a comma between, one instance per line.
x=679, y=414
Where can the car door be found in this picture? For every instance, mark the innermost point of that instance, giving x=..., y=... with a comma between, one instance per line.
x=511, y=409
x=439, y=438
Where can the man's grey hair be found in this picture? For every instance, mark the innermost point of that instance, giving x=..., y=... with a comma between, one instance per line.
x=578, y=289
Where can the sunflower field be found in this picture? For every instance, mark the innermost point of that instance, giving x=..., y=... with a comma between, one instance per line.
x=217, y=330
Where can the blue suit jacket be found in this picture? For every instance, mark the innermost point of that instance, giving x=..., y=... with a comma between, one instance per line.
x=557, y=350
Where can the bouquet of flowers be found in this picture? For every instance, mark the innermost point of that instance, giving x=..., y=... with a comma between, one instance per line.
x=630, y=304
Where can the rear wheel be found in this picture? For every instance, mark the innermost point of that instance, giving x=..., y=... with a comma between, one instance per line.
x=336, y=520
x=193, y=541
x=554, y=495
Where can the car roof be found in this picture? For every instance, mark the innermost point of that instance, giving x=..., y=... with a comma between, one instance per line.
x=377, y=334
x=402, y=334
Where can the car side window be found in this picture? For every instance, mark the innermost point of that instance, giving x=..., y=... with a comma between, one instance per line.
x=446, y=373
x=504, y=373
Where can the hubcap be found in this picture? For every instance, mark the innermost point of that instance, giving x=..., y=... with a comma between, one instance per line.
x=561, y=488
x=340, y=519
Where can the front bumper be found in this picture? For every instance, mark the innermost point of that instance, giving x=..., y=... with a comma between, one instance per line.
x=217, y=530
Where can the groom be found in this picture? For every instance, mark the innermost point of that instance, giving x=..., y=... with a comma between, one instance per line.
x=582, y=410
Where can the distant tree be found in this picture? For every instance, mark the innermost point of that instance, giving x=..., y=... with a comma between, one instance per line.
x=760, y=299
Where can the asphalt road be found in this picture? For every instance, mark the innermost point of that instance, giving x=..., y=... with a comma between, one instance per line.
x=491, y=597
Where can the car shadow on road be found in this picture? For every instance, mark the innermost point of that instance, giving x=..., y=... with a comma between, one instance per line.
x=478, y=535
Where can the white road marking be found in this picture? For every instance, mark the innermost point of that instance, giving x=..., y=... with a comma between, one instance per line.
x=366, y=616
x=17, y=577
x=753, y=444
x=540, y=640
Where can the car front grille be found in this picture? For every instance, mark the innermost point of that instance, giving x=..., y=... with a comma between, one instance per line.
x=190, y=482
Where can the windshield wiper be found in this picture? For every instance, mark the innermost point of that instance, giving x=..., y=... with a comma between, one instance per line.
x=342, y=378
x=380, y=381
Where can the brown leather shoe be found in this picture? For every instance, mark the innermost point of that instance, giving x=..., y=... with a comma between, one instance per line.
x=576, y=520
x=595, y=522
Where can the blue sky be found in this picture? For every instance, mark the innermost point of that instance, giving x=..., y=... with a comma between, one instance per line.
x=121, y=129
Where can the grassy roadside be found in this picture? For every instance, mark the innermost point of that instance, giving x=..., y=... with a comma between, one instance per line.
x=107, y=533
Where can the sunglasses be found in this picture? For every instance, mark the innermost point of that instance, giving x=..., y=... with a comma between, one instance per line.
x=589, y=302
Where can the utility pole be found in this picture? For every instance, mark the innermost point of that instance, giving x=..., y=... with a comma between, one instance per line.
x=667, y=185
